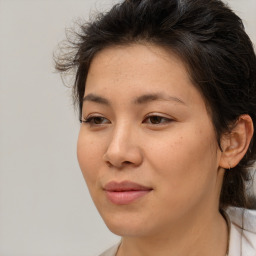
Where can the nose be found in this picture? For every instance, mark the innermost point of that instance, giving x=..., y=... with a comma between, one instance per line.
x=123, y=149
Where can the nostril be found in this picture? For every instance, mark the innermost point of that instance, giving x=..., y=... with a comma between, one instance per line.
x=108, y=164
x=124, y=163
x=127, y=162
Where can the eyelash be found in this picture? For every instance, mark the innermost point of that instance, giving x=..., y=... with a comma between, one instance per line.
x=166, y=119
x=91, y=120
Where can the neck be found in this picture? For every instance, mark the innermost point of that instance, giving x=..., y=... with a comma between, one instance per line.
x=206, y=235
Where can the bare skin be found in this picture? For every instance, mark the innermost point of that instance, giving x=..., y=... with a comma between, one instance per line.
x=146, y=123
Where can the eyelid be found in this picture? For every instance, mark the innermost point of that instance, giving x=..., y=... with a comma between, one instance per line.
x=159, y=115
x=90, y=117
x=93, y=115
x=166, y=120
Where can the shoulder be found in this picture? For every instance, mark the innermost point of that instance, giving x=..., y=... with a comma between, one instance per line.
x=111, y=251
x=242, y=231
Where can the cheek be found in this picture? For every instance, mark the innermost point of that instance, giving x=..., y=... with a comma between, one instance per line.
x=89, y=156
x=185, y=161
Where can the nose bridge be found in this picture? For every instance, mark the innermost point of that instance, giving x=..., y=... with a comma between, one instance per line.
x=120, y=136
x=122, y=147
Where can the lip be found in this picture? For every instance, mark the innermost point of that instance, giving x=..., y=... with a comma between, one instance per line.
x=126, y=192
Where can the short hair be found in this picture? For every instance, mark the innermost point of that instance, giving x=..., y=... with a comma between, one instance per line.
x=210, y=40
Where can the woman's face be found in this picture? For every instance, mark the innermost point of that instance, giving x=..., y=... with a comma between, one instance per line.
x=147, y=147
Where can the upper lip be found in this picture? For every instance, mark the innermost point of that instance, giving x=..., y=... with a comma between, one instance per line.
x=114, y=186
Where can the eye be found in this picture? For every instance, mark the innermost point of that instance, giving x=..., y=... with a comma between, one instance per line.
x=95, y=120
x=156, y=120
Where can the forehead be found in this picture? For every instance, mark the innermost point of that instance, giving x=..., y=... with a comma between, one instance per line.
x=146, y=53
x=137, y=69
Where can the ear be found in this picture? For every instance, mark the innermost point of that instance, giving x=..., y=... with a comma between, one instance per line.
x=235, y=144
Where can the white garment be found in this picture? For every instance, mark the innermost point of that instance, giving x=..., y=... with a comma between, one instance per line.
x=242, y=240
x=111, y=251
x=242, y=236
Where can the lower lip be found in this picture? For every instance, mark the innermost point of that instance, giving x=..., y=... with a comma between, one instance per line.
x=125, y=197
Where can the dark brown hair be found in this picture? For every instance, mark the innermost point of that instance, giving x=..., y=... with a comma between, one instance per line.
x=210, y=39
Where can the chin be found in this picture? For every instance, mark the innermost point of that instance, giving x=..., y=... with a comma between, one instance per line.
x=126, y=224
x=126, y=230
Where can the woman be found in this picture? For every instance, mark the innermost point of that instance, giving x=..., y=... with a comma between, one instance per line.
x=167, y=97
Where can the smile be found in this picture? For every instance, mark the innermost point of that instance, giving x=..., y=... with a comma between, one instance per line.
x=125, y=192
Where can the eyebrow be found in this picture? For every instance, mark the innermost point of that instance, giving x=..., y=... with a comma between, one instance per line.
x=143, y=99
x=156, y=97
x=96, y=98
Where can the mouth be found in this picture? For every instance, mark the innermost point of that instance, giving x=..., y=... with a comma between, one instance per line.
x=125, y=192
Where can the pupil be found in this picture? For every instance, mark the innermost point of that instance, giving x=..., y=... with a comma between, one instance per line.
x=155, y=119
x=98, y=120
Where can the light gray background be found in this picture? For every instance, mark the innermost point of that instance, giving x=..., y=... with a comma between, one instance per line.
x=45, y=208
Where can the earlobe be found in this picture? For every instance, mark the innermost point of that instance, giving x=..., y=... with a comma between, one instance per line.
x=235, y=144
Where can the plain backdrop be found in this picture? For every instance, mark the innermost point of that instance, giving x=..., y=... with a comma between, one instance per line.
x=45, y=208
